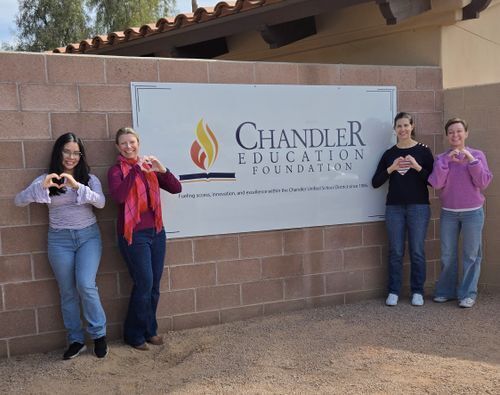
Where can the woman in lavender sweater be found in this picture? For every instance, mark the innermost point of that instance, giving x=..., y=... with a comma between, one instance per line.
x=74, y=240
x=460, y=174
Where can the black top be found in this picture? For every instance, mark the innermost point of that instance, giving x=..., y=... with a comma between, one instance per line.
x=411, y=187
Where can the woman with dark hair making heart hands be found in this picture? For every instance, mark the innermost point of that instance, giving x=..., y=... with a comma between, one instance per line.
x=74, y=239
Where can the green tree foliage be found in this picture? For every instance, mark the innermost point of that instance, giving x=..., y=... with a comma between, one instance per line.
x=47, y=24
x=7, y=47
x=115, y=15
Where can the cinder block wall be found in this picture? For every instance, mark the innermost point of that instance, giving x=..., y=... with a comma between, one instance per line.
x=207, y=280
x=480, y=106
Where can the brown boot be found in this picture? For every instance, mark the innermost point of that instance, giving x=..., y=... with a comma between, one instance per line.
x=156, y=340
x=142, y=347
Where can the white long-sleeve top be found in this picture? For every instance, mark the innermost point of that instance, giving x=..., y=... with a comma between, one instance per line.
x=70, y=210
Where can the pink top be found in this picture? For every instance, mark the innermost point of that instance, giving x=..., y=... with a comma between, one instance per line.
x=460, y=184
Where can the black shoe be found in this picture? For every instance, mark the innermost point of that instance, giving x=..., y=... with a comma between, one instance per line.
x=74, y=350
x=100, y=347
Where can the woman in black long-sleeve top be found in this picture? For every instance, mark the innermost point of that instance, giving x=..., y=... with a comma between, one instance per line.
x=407, y=165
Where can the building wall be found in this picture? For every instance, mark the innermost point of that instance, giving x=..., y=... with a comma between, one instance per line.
x=467, y=51
x=207, y=280
x=471, y=50
x=480, y=106
x=360, y=35
x=352, y=35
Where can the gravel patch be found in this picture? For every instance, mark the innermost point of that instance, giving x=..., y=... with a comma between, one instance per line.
x=359, y=348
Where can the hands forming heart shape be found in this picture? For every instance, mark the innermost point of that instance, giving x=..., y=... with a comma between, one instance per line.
x=151, y=163
x=458, y=156
x=403, y=164
x=59, y=181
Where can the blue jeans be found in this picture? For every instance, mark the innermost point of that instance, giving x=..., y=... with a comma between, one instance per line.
x=144, y=259
x=74, y=256
x=470, y=224
x=400, y=219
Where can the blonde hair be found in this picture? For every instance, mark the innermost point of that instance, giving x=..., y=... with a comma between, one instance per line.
x=126, y=130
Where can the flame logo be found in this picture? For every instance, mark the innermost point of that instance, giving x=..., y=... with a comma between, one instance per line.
x=205, y=148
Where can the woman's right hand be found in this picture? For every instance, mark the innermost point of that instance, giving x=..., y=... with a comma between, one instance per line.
x=395, y=165
x=454, y=155
x=49, y=181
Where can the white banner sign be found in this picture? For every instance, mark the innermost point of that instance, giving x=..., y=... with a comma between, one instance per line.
x=261, y=157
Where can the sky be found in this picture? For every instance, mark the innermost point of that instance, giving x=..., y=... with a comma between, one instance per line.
x=8, y=11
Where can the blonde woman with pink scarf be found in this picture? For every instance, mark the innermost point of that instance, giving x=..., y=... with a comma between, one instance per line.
x=134, y=183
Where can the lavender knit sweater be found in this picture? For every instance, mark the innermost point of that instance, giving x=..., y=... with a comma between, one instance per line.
x=460, y=184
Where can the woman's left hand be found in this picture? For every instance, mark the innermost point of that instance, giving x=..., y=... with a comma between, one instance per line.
x=413, y=163
x=69, y=180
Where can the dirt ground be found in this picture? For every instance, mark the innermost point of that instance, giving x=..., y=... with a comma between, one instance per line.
x=363, y=348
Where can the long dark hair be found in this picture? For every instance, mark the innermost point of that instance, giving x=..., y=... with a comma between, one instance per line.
x=81, y=170
x=409, y=117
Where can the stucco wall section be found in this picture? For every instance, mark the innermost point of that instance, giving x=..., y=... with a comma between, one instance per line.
x=471, y=50
x=352, y=35
x=207, y=280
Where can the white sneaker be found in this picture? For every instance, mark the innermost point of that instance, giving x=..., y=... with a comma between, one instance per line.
x=392, y=300
x=417, y=300
x=440, y=299
x=467, y=302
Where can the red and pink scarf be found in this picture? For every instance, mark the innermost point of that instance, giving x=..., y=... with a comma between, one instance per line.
x=137, y=199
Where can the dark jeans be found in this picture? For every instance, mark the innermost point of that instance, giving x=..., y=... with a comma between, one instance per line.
x=400, y=219
x=144, y=258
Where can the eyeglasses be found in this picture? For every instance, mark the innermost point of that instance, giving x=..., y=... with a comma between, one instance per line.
x=68, y=154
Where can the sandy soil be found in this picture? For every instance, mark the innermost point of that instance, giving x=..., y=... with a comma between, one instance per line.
x=355, y=349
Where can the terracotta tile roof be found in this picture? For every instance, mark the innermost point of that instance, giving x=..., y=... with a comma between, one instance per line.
x=164, y=25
